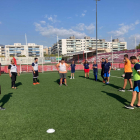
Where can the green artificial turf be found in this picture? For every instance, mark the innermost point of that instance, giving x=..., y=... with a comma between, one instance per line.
x=84, y=110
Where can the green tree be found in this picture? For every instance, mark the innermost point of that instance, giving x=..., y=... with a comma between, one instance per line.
x=138, y=47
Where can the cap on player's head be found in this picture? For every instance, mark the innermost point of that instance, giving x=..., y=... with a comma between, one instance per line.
x=126, y=56
x=133, y=59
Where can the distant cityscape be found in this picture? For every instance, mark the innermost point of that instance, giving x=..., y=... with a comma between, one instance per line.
x=65, y=46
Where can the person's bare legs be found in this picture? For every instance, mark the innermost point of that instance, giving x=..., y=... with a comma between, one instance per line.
x=108, y=79
x=65, y=81
x=61, y=81
x=85, y=75
x=138, y=99
x=73, y=75
x=125, y=83
x=131, y=84
x=88, y=74
x=134, y=95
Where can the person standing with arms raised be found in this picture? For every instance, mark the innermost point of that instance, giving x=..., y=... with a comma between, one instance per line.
x=62, y=69
x=128, y=74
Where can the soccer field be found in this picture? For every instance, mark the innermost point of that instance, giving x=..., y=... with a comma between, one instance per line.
x=84, y=110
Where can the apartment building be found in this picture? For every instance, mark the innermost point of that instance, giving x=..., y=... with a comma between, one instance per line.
x=72, y=45
x=2, y=50
x=49, y=51
x=45, y=50
x=29, y=50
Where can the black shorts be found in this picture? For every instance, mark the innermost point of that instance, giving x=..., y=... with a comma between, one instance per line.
x=35, y=75
x=13, y=76
x=128, y=75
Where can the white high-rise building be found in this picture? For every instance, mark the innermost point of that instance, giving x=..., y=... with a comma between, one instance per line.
x=72, y=45
x=29, y=50
x=2, y=50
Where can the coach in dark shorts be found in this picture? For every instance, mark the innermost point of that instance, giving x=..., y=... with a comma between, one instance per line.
x=128, y=74
x=62, y=69
x=62, y=75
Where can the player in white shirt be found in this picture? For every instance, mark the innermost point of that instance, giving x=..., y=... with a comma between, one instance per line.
x=12, y=69
x=35, y=71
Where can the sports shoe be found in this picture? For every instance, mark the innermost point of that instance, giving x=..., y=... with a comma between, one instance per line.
x=37, y=83
x=66, y=85
x=1, y=108
x=122, y=90
x=103, y=81
x=71, y=78
x=137, y=106
x=34, y=83
x=129, y=107
x=131, y=89
x=60, y=85
x=107, y=83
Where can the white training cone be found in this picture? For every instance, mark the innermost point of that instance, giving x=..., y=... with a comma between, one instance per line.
x=50, y=131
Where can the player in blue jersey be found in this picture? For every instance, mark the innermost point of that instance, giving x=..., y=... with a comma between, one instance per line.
x=95, y=70
x=72, y=69
x=102, y=70
x=107, y=69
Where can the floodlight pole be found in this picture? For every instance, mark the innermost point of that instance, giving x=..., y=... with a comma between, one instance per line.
x=96, y=32
x=112, y=51
x=135, y=46
x=86, y=48
x=58, y=48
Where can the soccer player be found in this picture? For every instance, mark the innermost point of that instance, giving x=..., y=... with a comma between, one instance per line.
x=72, y=69
x=62, y=69
x=136, y=89
x=95, y=70
x=128, y=73
x=86, y=68
x=35, y=71
x=107, y=69
x=12, y=69
x=102, y=71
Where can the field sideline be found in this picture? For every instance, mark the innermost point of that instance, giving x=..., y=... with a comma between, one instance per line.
x=85, y=110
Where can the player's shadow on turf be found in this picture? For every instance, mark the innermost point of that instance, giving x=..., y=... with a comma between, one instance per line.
x=112, y=85
x=5, y=99
x=91, y=79
x=57, y=81
x=18, y=84
x=82, y=76
x=117, y=97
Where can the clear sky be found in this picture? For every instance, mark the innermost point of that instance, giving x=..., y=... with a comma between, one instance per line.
x=42, y=20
